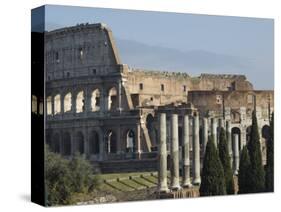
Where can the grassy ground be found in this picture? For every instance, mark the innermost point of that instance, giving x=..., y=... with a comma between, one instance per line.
x=124, y=182
x=124, y=187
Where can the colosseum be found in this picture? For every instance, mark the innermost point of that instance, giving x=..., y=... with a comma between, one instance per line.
x=109, y=112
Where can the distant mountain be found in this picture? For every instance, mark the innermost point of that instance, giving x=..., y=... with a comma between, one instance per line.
x=139, y=55
x=260, y=71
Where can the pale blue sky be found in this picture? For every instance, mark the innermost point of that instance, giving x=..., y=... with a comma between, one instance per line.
x=247, y=44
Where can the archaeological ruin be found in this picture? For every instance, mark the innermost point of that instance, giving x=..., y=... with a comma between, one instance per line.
x=120, y=117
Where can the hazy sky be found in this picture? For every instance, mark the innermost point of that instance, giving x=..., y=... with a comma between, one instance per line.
x=225, y=44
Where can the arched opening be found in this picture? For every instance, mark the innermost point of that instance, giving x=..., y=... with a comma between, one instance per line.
x=57, y=104
x=55, y=143
x=130, y=141
x=94, y=147
x=248, y=133
x=112, y=99
x=79, y=144
x=49, y=105
x=80, y=102
x=67, y=102
x=34, y=104
x=110, y=142
x=265, y=132
x=151, y=129
x=236, y=130
x=66, y=143
x=95, y=100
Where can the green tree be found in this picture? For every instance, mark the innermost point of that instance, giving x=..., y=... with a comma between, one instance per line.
x=57, y=179
x=65, y=178
x=257, y=183
x=82, y=174
x=213, y=182
x=225, y=160
x=269, y=174
x=244, y=175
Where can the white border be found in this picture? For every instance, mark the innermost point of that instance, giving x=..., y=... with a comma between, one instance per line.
x=15, y=103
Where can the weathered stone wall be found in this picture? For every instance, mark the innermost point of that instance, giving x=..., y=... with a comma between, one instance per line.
x=207, y=101
x=83, y=50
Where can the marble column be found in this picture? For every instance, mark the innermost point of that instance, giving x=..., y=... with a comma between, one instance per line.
x=205, y=133
x=214, y=130
x=175, y=178
x=186, y=159
x=162, y=151
x=138, y=142
x=236, y=153
x=244, y=137
x=196, y=152
x=229, y=140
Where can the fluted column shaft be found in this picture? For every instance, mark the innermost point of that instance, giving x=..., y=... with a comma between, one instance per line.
x=196, y=151
x=236, y=153
x=205, y=133
x=175, y=153
x=162, y=151
x=229, y=141
x=186, y=159
x=214, y=130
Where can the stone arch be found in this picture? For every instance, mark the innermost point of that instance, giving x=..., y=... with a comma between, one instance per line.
x=110, y=142
x=34, y=104
x=95, y=100
x=236, y=130
x=49, y=105
x=151, y=129
x=112, y=99
x=66, y=144
x=130, y=141
x=80, y=102
x=79, y=143
x=94, y=147
x=55, y=143
x=57, y=104
x=67, y=102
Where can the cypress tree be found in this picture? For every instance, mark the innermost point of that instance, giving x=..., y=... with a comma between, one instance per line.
x=213, y=182
x=257, y=183
x=269, y=174
x=225, y=160
x=244, y=175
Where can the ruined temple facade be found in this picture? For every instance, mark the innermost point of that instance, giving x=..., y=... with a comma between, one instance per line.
x=108, y=111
